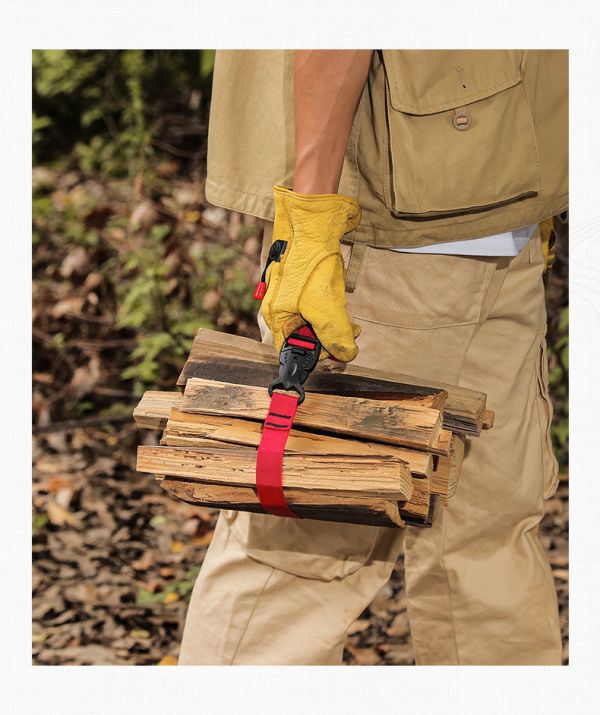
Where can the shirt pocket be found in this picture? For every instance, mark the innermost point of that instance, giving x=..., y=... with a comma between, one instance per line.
x=545, y=413
x=311, y=549
x=458, y=131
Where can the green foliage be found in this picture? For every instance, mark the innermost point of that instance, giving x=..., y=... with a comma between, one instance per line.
x=38, y=522
x=182, y=588
x=101, y=104
x=116, y=135
x=558, y=377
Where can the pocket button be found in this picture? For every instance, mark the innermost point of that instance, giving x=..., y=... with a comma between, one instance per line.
x=461, y=121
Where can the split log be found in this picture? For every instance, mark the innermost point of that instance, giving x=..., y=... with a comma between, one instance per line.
x=442, y=444
x=184, y=429
x=153, y=409
x=463, y=410
x=419, y=502
x=308, y=505
x=246, y=372
x=446, y=471
x=380, y=476
x=218, y=432
x=426, y=521
x=382, y=421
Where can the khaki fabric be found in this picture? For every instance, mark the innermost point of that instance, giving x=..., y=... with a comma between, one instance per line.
x=479, y=587
x=446, y=145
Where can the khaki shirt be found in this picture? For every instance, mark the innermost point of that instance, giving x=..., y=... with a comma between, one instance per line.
x=446, y=145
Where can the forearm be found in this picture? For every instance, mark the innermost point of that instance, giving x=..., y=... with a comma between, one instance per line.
x=327, y=88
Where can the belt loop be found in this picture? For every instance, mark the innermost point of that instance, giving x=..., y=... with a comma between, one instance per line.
x=357, y=253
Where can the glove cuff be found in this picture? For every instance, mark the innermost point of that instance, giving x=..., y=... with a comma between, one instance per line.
x=344, y=211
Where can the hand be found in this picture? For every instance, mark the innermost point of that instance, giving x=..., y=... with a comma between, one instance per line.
x=306, y=281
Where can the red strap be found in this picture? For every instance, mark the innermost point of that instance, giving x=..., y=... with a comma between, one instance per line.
x=269, y=460
x=306, y=331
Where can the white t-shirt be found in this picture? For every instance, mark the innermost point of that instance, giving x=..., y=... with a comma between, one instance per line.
x=510, y=243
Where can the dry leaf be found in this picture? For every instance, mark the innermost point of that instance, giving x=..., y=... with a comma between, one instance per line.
x=59, y=516
x=359, y=626
x=203, y=540
x=167, y=660
x=144, y=562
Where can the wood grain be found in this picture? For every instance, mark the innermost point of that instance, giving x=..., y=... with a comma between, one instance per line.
x=463, y=410
x=377, y=476
x=246, y=372
x=184, y=429
x=307, y=505
x=382, y=421
x=153, y=409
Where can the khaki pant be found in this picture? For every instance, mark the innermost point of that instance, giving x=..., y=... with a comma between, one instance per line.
x=479, y=586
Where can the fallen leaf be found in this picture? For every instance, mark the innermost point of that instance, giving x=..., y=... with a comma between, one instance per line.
x=167, y=660
x=399, y=626
x=203, y=540
x=76, y=263
x=140, y=634
x=398, y=653
x=359, y=626
x=59, y=516
x=364, y=656
x=144, y=562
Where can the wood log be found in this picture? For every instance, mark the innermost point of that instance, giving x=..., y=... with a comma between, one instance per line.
x=446, y=471
x=184, y=429
x=463, y=410
x=380, y=476
x=217, y=432
x=382, y=421
x=487, y=421
x=456, y=463
x=442, y=444
x=153, y=409
x=410, y=520
x=308, y=505
x=418, y=504
x=422, y=486
x=246, y=372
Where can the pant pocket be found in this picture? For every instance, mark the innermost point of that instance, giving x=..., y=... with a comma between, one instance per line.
x=311, y=549
x=421, y=290
x=545, y=412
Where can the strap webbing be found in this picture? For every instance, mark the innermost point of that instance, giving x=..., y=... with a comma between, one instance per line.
x=269, y=460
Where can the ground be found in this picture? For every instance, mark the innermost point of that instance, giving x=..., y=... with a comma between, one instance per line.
x=115, y=559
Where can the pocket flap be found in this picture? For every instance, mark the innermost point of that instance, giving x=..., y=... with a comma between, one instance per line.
x=321, y=550
x=430, y=81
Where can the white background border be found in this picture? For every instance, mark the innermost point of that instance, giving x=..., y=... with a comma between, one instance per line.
x=194, y=24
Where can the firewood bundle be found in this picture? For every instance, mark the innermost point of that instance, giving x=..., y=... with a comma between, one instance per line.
x=367, y=447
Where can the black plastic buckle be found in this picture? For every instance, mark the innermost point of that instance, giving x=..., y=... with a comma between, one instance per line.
x=298, y=358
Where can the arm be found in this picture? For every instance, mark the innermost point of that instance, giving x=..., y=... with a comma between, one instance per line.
x=305, y=273
x=327, y=88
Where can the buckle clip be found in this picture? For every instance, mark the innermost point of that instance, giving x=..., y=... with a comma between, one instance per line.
x=298, y=358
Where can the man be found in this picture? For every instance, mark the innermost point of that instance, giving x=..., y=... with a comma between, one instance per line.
x=452, y=158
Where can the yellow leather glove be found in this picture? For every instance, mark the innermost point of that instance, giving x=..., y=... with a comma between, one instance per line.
x=305, y=276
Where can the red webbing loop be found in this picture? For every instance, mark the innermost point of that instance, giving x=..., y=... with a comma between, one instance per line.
x=306, y=331
x=269, y=459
